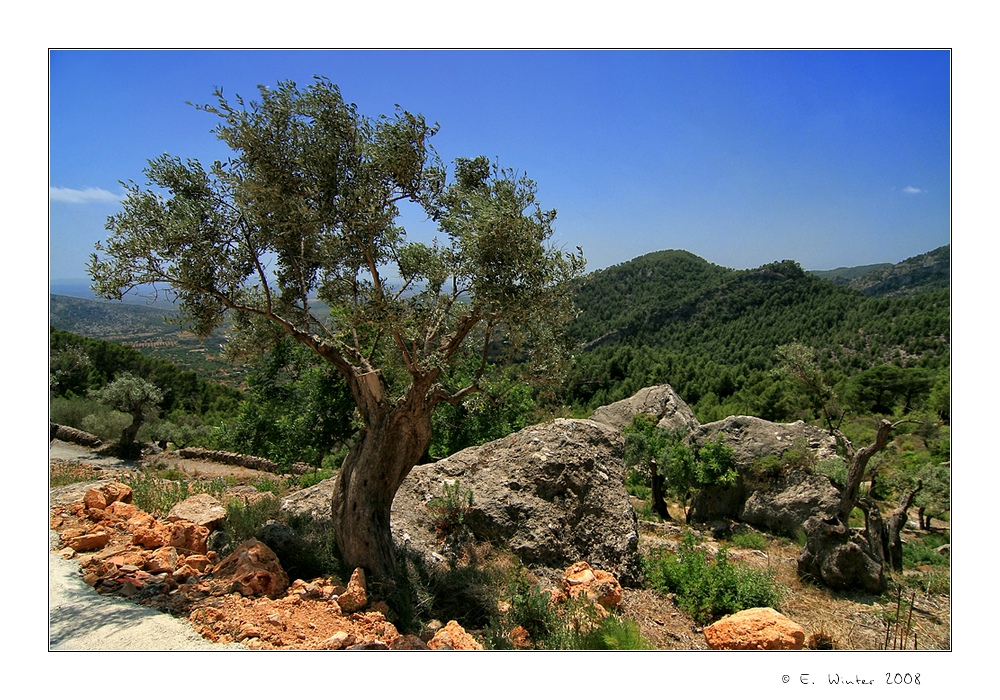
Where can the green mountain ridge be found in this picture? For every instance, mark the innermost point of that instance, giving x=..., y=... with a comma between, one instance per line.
x=669, y=317
x=929, y=271
x=713, y=333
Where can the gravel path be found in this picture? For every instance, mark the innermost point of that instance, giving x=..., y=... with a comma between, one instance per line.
x=81, y=619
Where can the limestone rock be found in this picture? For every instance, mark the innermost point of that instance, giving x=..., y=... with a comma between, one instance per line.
x=454, y=636
x=338, y=640
x=89, y=541
x=188, y=537
x=314, y=502
x=756, y=628
x=355, y=597
x=660, y=401
x=101, y=497
x=252, y=570
x=553, y=493
x=199, y=562
x=120, y=509
x=408, y=642
x=201, y=509
x=116, y=491
x=519, y=638
x=162, y=561
x=718, y=501
x=94, y=499
x=282, y=539
x=784, y=506
x=599, y=586
x=752, y=438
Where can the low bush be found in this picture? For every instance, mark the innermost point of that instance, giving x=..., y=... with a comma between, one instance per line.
x=158, y=492
x=751, y=539
x=834, y=469
x=63, y=473
x=450, y=508
x=612, y=633
x=923, y=550
x=304, y=481
x=244, y=519
x=708, y=588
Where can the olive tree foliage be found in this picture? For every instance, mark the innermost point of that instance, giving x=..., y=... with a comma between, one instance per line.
x=298, y=234
x=137, y=398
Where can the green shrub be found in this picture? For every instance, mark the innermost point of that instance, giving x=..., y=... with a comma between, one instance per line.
x=304, y=481
x=314, y=552
x=172, y=474
x=933, y=582
x=105, y=423
x=245, y=519
x=574, y=625
x=450, y=508
x=709, y=589
x=530, y=607
x=835, y=469
x=922, y=550
x=63, y=473
x=154, y=494
x=266, y=484
x=71, y=410
x=751, y=539
x=158, y=492
x=767, y=467
x=612, y=633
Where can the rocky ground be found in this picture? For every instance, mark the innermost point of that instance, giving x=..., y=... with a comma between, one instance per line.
x=258, y=611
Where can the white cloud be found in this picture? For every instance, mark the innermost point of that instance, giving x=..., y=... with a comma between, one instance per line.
x=910, y=189
x=68, y=195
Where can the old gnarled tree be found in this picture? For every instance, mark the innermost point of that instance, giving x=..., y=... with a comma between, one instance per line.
x=298, y=233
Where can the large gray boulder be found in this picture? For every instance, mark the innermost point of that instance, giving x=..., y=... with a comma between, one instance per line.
x=314, y=502
x=784, y=505
x=201, y=509
x=780, y=502
x=660, y=401
x=753, y=438
x=553, y=493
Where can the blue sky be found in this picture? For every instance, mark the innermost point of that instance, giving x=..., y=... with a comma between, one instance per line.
x=830, y=158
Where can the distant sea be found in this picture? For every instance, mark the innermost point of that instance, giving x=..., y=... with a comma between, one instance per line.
x=80, y=289
x=72, y=288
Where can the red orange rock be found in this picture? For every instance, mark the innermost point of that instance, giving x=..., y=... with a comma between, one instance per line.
x=756, y=628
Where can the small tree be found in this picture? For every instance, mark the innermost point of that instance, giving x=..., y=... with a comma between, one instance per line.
x=307, y=207
x=137, y=398
x=798, y=362
x=673, y=466
x=647, y=447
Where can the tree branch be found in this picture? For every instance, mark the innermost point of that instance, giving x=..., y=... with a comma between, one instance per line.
x=859, y=461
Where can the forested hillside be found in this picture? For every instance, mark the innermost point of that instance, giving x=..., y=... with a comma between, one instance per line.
x=712, y=333
x=152, y=329
x=80, y=366
x=928, y=272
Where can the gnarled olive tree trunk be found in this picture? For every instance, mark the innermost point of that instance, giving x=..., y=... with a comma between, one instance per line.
x=395, y=437
x=833, y=553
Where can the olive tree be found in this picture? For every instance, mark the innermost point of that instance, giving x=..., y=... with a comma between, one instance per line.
x=135, y=397
x=298, y=233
